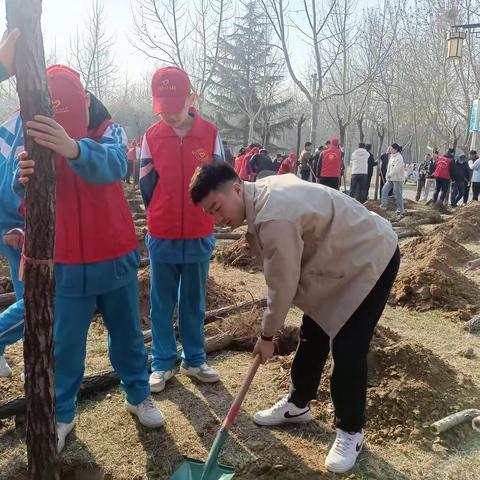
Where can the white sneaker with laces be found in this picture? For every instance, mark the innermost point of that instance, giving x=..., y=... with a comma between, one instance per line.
x=63, y=429
x=344, y=452
x=204, y=373
x=283, y=412
x=158, y=380
x=147, y=412
x=5, y=370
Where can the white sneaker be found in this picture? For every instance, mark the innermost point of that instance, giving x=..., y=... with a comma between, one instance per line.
x=283, y=412
x=5, y=370
x=147, y=412
x=63, y=429
x=204, y=373
x=158, y=380
x=344, y=451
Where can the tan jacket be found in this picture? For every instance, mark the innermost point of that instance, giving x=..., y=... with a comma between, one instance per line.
x=322, y=250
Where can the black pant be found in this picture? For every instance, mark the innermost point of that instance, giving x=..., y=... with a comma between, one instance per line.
x=442, y=185
x=420, y=185
x=332, y=182
x=467, y=192
x=458, y=191
x=475, y=190
x=359, y=186
x=348, y=382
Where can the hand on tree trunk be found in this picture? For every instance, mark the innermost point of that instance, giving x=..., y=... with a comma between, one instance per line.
x=7, y=49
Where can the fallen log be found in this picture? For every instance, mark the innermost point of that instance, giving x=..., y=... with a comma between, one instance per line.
x=457, y=419
x=108, y=378
x=228, y=236
x=409, y=233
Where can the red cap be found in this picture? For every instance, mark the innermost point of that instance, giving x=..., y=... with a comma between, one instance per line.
x=68, y=99
x=334, y=142
x=170, y=88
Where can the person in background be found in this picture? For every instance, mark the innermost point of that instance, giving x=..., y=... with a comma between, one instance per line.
x=359, y=178
x=474, y=164
x=429, y=178
x=383, y=168
x=289, y=165
x=395, y=177
x=442, y=176
x=261, y=164
x=277, y=162
x=131, y=157
x=228, y=153
x=330, y=165
x=422, y=175
x=304, y=170
x=468, y=184
x=237, y=164
x=246, y=171
x=371, y=164
x=180, y=238
x=460, y=173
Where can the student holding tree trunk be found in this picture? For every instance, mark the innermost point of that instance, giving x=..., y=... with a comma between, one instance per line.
x=96, y=254
x=331, y=257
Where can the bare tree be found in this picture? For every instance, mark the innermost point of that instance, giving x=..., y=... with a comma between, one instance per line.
x=184, y=34
x=91, y=55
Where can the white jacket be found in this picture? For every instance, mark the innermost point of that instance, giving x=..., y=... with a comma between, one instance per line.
x=322, y=250
x=359, y=160
x=396, y=168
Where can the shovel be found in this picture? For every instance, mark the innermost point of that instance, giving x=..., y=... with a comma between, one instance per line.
x=192, y=469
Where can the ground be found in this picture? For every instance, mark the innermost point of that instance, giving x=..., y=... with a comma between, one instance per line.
x=108, y=443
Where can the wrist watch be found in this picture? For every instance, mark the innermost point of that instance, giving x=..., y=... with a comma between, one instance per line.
x=265, y=338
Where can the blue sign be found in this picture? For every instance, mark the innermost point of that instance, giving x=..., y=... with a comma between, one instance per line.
x=473, y=119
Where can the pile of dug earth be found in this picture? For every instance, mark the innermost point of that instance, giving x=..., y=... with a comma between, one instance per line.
x=409, y=388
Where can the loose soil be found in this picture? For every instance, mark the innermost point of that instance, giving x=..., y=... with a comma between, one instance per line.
x=238, y=254
x=464, y=226
x=5, y=285
x=409, y=387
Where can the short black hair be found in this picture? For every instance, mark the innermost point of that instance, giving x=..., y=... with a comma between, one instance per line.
x=361, y=145
x=208, y=178
x=308, y=144
x=368, y=146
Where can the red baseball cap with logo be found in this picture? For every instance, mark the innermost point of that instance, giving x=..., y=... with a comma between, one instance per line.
x=170, y=88
x=69, y=102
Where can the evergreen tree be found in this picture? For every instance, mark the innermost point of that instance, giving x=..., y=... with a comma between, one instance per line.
x=246, y=95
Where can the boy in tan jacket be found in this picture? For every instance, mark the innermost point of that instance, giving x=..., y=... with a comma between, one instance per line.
x=335, y=260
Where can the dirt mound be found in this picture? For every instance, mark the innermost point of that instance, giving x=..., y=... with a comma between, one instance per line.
x=217, y=295
x=465, y=224
x=436, y=246
x=409, y=387
x=5, y=285
x=374, y=206
x=245, y=327
x=239, y=254
x=432, y=283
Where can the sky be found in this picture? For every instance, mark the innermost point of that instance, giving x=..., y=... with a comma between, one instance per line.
x=62, y=18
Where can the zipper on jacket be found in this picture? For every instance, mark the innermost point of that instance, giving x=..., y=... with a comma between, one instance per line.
x=182, y=166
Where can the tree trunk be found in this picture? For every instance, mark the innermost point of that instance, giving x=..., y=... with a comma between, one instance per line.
x=300, y=122
x=314, y=123
x=39, y=291
x=360, y=128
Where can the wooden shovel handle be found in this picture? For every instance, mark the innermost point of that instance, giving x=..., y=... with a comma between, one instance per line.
x=237, y=403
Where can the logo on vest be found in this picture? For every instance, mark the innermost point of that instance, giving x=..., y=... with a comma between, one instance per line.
x=200, y=155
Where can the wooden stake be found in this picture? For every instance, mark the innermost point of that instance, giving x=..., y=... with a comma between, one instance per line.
x=39, y=287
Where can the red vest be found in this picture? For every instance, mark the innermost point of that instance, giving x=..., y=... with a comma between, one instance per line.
x=442, y=169
x=171, y=213
x=331, y=162
x=93, y=222
x=238, y=164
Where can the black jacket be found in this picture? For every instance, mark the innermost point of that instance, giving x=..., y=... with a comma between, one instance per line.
x=459, y=170
x=260, y=162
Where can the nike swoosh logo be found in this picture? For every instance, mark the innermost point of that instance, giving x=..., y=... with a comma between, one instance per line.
x=359, y=446
x=287, y=414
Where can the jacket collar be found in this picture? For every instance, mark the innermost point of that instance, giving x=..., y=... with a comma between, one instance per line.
x=195, y=131
x=249, y=196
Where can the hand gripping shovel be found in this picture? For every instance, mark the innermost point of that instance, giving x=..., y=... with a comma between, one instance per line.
x=197, y=470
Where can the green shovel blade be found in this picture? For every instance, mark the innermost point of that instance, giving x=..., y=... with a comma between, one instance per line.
x=193, y=470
